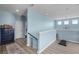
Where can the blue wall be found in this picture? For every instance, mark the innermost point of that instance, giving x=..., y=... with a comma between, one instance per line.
x=70, y=26
x=46, y=38
x=37, y=23
x=69, y=35
x=7, y=18
x=72, y=31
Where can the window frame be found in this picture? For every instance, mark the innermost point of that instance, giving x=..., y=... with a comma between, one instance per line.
x=66, y=22
x=59, y=22
x=75, y=22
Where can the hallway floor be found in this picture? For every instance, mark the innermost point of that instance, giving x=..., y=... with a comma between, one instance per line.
x=55, y=48
x=19, y=47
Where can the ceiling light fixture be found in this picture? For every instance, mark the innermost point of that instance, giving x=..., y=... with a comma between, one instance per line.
x=17, y=10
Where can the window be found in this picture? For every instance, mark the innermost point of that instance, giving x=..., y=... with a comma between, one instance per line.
x=59, y=22
x=74, y=21
x=66, y=22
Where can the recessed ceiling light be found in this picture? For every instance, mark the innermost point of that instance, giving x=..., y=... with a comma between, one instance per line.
x=17, y=10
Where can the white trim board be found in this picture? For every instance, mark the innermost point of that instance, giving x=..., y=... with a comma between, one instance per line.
x=38, y=52
x=70, y=41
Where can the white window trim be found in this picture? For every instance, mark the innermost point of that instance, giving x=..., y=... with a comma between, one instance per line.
x=59, y=22
x=66, y=22
x=74, y=21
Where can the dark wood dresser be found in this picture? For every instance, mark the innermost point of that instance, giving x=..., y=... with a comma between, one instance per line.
x=6, y=34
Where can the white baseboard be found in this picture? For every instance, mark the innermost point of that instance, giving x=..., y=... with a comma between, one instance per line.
x=38, y=52
x=73, y=41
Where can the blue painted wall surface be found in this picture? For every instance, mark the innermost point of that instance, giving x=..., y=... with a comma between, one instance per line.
x=70, y=26
x=7, y=18
x=68, y=35
x=37, y=22
x=46, y=38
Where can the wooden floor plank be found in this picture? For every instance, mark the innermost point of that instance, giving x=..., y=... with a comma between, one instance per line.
x=55, y=48
x=27, y=49
x=1, y=50
x=18, y=47
x=4, y=49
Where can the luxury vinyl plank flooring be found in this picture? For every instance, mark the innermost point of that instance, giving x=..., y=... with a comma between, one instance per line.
x=18, y=47
x=1, y=51
x=15, y=49
x=27, y=49
x=55, y=48
x=4, y=49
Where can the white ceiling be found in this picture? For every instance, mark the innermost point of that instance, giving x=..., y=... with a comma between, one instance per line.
x=58, y=10
x=50, y=10
x=13, y=7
